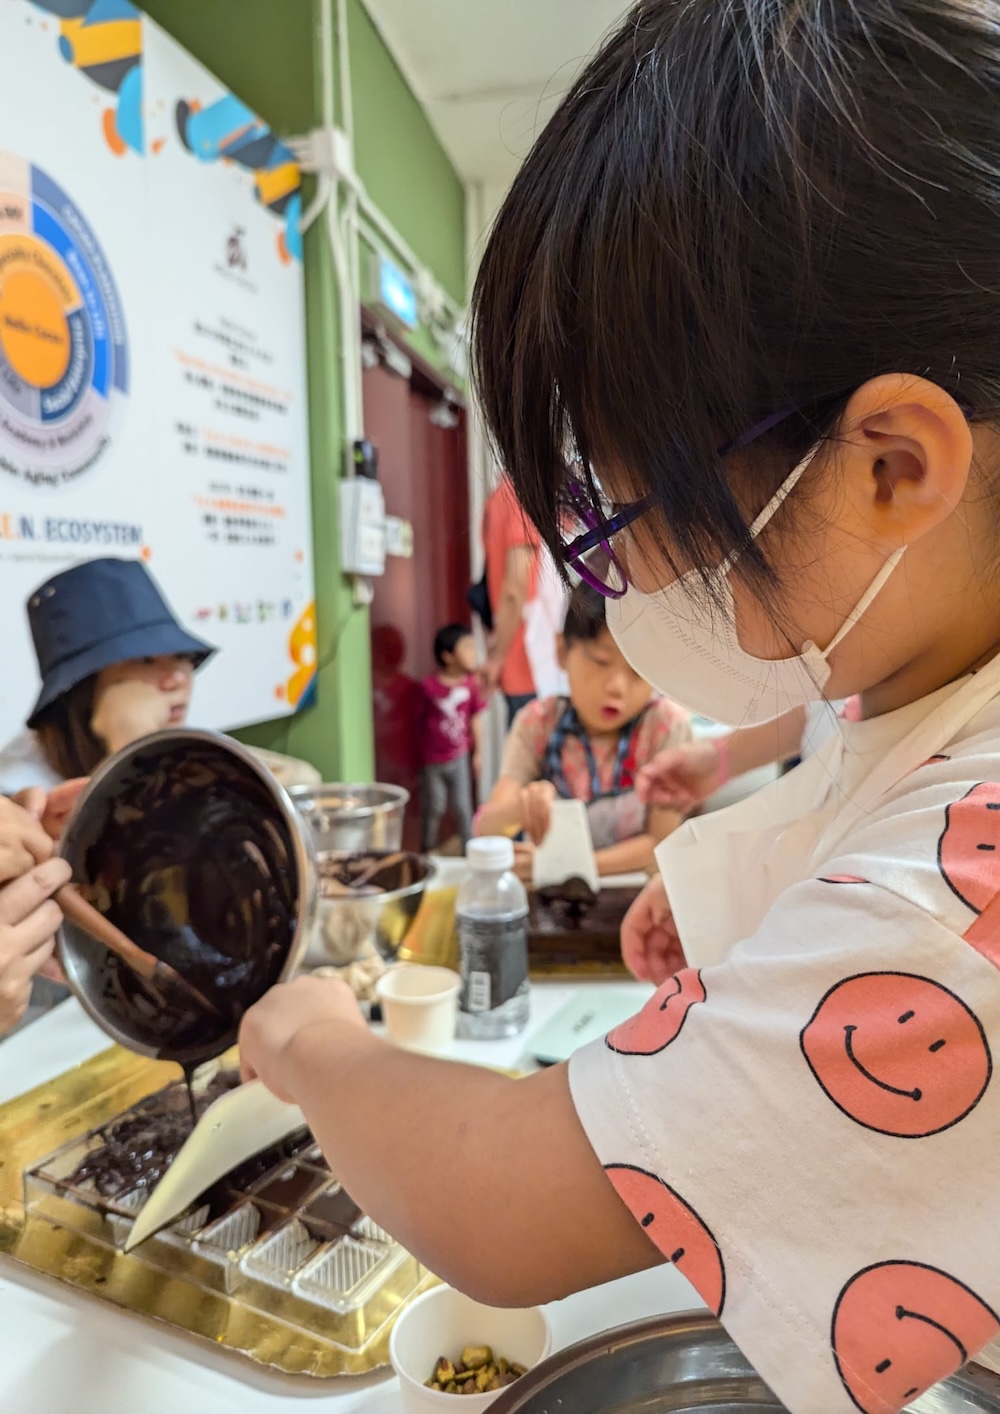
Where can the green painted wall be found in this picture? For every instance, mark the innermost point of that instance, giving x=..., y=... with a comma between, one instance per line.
x=268, y=52
x=399, y=159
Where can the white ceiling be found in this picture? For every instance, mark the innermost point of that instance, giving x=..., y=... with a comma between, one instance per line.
x=490, y=72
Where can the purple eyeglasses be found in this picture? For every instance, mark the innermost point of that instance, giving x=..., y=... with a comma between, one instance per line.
x=589, y=532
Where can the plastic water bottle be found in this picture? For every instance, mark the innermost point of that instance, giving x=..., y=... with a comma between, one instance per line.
x=491, y=914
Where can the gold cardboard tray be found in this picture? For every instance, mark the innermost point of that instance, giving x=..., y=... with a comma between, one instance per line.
x=66, y=1109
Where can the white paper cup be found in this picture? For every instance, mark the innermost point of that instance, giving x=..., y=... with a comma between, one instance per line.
x=443, y=1322
x=419, y=1005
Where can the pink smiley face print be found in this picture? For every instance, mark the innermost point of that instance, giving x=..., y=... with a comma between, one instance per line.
x=969, y=847
x=675, y=1228
x=898, y=1054
x=899, y=1327
x=661, y=1019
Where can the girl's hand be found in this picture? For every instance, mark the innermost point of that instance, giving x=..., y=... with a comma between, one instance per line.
x=28, y=922
x=536, y=809
x=269, y=1028
x=128, y=710
x=651, y=948
x=682, y=777
x=524, y=861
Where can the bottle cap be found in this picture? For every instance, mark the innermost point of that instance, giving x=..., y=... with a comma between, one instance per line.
x=492, y=853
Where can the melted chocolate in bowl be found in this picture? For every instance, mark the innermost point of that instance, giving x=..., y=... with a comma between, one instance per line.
x=182, y=844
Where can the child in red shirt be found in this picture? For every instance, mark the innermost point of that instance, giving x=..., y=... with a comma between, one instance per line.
x=450, y=731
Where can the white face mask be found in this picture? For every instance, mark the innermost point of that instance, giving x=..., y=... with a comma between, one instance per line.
x=687, y=645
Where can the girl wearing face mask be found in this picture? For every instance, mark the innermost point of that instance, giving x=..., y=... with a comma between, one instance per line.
x=115, y=666
x=751, y=269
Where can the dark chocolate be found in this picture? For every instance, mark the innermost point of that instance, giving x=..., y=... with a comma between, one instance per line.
x=373, y=872
x=252, y=1170
x=335, y=1208
x=138, y=1149
x=186, y=852
x=291, y=1188
x=574, y=894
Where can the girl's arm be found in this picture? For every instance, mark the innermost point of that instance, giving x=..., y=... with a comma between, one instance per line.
x=501, y=814
x=490, y=1182
x=627, y=857
x=685, y=776
x=630, y=856
x=752, y=747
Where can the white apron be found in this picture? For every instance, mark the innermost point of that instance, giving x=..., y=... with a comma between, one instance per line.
x=723, y=871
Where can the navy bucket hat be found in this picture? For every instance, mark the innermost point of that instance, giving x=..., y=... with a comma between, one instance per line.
x=100, y=613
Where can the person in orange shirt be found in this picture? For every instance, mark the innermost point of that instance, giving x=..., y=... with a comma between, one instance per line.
x=512, y=549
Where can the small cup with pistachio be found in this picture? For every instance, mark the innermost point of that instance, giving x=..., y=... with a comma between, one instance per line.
x=485, y=1350
x=476, y=1371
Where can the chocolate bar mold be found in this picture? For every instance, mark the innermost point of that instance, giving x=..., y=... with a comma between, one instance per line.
x=278, y=1235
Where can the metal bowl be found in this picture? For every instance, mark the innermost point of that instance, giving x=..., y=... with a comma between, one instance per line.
x=194, y=851
x=684, y=1364
x=345, y=926
x=352, y=819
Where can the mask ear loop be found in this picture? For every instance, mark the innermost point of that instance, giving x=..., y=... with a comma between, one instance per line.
x=864, y=603
x=774, y=504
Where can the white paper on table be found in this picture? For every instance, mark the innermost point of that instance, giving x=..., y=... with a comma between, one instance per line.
x=567, y=851
x=236, y=1126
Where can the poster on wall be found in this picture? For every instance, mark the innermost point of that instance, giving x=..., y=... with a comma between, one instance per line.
x=152, y=349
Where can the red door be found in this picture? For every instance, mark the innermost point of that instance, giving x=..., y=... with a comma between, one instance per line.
x=422, y=468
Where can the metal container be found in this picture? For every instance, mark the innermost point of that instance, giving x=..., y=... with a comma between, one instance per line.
x=345, y=926
x=194, y=851
x=683, y=1365
x=352, y=819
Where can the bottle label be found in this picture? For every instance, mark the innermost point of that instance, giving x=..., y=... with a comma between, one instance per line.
x=479, y=992
x=494, y=961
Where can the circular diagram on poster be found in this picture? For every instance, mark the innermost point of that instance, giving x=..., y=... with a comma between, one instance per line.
x=63, y=344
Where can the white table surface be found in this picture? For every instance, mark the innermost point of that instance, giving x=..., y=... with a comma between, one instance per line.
x=64, y=1352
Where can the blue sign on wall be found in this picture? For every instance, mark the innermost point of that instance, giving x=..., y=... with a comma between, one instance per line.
x=397, y=294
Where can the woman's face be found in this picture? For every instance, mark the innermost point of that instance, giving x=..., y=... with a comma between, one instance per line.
x=169, y=674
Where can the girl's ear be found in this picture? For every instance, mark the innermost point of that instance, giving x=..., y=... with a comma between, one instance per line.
x=561, y=651
x=905, y=450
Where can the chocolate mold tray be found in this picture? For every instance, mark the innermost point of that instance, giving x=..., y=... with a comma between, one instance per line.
x=279, y=1233
x=276, y=1252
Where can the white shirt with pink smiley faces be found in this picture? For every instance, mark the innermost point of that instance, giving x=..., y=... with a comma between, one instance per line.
x=811, y=1130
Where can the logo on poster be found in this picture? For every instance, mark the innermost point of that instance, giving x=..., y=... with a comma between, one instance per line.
x=236, y=251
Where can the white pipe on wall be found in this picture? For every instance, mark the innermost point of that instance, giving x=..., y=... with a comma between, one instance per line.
x=344, y=56
x=351, y=214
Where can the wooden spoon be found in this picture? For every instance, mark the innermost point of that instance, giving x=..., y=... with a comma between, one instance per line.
x=159, y=974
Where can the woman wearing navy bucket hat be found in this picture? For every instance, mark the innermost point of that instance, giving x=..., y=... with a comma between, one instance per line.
x=115, y=665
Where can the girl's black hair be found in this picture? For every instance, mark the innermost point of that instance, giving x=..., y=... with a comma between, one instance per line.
x=447, y=639
x=739, y=209
x=586, y=615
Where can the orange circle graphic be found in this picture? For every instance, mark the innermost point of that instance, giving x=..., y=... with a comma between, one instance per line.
x=33, y=328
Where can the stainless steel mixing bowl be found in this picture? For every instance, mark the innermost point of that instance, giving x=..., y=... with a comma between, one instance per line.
x=345, y=926
x=687, y=1365
x=352, y=819
x=192, y=849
